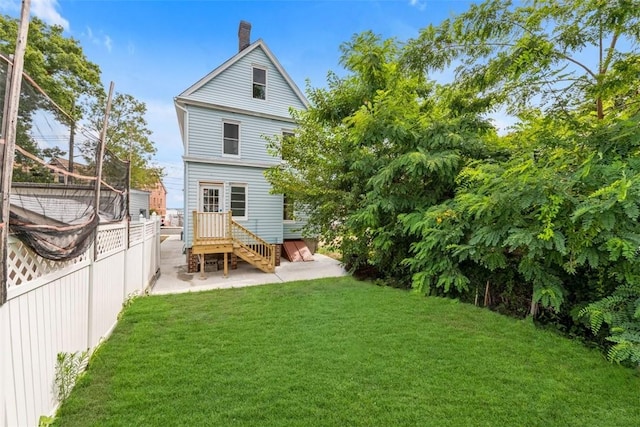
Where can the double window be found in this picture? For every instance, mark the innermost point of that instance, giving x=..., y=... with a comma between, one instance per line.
x=231, y=138
x=259, y=83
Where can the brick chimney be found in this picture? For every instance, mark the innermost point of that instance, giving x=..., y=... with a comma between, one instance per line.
x=244, y=35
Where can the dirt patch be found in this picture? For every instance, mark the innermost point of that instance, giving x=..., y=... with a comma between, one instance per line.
x=185, y=277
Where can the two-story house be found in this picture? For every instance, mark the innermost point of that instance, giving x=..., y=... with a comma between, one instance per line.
x=223, y=120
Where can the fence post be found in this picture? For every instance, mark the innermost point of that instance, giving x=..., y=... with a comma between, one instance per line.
x=92, y=260
x=126, y=259
x=7, y=149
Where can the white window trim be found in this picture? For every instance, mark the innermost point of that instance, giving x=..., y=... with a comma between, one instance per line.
x=246, y=200
x=266, y=81
x=232, y=122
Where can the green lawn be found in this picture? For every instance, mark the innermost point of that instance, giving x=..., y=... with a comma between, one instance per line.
x=337, y=352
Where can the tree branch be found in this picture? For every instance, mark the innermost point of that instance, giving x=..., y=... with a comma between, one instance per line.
x=610, y=51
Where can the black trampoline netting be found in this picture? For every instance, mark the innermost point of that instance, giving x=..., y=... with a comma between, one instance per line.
x=53, y=209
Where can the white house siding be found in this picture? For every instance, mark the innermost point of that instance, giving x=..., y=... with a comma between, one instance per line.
x=138, y=200
x=264, y=210
x=234, y=87
x=205, y=135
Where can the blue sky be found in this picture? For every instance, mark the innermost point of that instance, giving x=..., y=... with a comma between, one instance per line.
x=155, y=49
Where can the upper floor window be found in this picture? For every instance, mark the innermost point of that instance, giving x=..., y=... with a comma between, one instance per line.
x=231, y=143
x=259, y=83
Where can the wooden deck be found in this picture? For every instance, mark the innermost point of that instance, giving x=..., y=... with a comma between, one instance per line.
x=215, y=233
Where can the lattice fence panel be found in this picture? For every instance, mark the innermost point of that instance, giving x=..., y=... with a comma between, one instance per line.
x=24, y=265
x=136, y=234
x=111, y=240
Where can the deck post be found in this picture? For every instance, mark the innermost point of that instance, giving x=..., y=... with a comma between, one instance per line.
x=202, y=276
x=273, y=257
x=229, y=232
x=226, y=268
x=195, y=227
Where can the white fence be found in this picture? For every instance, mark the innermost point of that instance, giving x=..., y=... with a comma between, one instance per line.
x=55, y=307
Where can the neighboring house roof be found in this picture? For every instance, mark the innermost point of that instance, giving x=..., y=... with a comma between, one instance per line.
x=64, y=164
x=158, y=186
x=184, y=97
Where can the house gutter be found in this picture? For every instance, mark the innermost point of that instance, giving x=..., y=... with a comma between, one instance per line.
x=180, y=118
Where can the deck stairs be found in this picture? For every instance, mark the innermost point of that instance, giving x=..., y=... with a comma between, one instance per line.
x=215, y=232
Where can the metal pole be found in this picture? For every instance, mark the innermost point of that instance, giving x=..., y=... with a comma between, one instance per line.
x=9, y=145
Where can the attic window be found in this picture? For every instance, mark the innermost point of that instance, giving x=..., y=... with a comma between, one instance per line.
x=259, y=83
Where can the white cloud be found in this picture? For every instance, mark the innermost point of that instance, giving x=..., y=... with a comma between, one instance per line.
x=46, y=10
x=99, y=39
x=419, y=4
x=108, y=43
x=10, y=6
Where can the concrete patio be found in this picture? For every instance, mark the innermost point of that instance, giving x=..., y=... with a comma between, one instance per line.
x=175, y=279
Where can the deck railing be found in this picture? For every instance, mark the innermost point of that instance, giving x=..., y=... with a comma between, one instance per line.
x=209, y=226
x=253, y=243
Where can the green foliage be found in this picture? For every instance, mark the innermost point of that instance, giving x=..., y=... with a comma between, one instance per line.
x=57, y=63
x=416, y=186
x=128, y=301
x=69, y=366
x=338, y=352
x=559, y=217
x=377, y=144
x=564, y=55
x=59, y=66
x=621, y=313
x=45, y=421
x=127, y=136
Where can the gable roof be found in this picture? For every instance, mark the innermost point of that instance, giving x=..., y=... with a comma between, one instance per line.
x=255, y=45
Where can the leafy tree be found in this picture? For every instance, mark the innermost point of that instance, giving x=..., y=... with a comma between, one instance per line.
x=59, y=66
x=621, y=312
x=564, y=55
x=558, y=220
x=415, y=185
x=57, y=63
x=128, y=137
x=376, y=144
